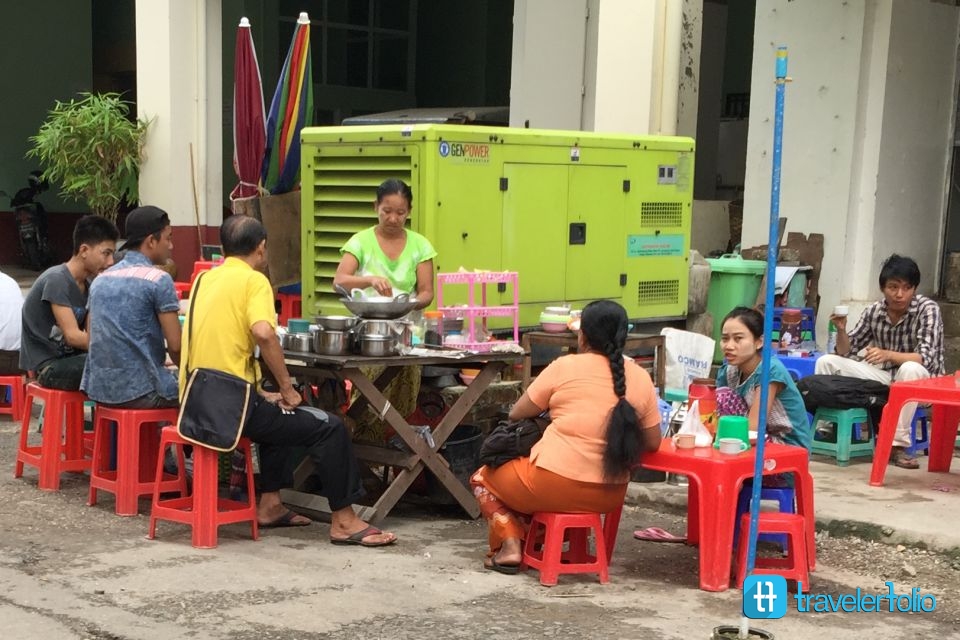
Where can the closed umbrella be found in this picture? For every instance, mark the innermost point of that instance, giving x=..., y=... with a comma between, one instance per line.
x=290, y=111
x=249, y=130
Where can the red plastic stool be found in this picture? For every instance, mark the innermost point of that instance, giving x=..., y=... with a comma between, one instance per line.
x=136, y=450
x=551, y=560
x=795, y=566
x=63, y=444
x=14, y=408
x=203, y=509
x=290, y=307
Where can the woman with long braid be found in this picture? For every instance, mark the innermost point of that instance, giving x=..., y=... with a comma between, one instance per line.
x=603, y=411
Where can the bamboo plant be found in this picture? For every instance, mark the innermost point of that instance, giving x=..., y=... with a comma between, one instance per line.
x=92, y=148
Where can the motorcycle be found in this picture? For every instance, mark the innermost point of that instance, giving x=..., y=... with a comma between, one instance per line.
x=31, y=219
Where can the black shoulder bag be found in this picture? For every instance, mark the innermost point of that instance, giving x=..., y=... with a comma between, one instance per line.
x=216, y=405
x=509, y=440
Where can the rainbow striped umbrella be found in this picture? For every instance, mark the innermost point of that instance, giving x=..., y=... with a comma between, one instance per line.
x=248, y=116
x=290, y=111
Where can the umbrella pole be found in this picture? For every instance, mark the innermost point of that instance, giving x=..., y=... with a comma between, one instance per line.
x=196, y=205
x=773, y=241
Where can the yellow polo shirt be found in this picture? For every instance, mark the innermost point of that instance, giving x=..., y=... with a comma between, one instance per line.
x=231, y=299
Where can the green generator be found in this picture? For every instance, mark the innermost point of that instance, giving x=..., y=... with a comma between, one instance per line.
x=580, y=216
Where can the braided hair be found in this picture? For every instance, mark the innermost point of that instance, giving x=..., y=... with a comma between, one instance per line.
x=604, y=328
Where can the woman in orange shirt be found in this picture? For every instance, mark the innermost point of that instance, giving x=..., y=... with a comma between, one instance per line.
x=603, y=411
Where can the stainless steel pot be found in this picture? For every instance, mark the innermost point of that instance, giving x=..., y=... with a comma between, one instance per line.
x=332, y=343
x=377, y=346
x=336, y=323
x=297, y=342
x=401, y=330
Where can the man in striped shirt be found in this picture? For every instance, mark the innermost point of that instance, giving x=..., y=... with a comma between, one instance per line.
x=897, y=338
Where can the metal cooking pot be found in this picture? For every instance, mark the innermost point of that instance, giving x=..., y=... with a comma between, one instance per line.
x=297, y=341
x=336, y=323
x=377, y=346
x=332, y=343
x=401, y=330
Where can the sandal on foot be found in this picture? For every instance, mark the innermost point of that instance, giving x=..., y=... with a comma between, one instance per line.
x=507, y=569
x=900, y=458
x=656, y=534
x=357, y=538
x=286, y=520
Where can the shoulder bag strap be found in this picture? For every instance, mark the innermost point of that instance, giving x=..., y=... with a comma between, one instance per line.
x=193, y=299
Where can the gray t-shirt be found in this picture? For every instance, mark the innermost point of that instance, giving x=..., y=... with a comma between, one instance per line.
x=41, y=339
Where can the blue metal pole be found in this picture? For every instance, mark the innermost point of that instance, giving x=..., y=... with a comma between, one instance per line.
x=781, y=73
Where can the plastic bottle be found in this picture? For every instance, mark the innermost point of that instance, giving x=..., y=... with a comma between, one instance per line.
x=433, y=328
x=831, y=338
x=790, y=327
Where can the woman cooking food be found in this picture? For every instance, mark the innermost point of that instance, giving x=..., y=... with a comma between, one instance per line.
x=389, y=259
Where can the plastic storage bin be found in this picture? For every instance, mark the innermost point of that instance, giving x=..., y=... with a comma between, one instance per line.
x=734, y=282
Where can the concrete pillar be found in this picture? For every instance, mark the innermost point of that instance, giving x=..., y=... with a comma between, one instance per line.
x=599, y=65
x=179, y=87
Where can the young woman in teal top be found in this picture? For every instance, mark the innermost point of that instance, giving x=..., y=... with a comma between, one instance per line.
x=742, y=340
x=389, y=257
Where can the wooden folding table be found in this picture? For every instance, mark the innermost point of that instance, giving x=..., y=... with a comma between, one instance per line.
x=420, y=456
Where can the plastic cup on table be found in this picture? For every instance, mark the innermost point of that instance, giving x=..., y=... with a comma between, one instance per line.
x=733, y=427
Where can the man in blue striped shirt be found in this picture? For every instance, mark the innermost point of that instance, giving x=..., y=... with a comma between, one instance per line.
x=897, y=338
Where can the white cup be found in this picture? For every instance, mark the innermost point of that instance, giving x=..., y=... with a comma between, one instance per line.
x=841, y=310
x=732, y=445
x=685, y=440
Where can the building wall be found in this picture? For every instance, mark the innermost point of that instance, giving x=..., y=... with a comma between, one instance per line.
x=866, y=136
x=43, y=59
x=917, y=139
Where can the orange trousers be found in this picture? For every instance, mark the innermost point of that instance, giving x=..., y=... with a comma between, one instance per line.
x=510, y=493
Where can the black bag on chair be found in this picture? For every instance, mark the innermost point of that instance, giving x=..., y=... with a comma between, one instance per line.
x=215, y=405
x=509, y=440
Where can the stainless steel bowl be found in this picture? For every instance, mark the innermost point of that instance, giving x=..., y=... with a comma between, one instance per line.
x=401, y=330
x=336, y=323
x=377, y=346
x=298, y=342
x=387, y=309
x=331, y=343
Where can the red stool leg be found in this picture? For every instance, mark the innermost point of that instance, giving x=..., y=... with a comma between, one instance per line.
x=603, y=554
x=251, y=491
x=54, y=415
x=128, y=466
x=100, y=454
x=552, y=549
x=693, y=513
x=24, y=434
x=205, y=476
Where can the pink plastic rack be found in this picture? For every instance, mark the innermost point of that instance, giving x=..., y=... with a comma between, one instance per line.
x=481, y=310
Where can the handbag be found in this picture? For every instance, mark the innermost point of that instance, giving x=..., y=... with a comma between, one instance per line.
x=216, y=405
x=509, y=440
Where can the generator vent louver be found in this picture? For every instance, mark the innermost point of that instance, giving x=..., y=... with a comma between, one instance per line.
x=656, y=215
x=655, y=292
x=344, y=190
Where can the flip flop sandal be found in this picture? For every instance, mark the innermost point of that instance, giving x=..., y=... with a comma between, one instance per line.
x=506, y=569
x=286, y=520
x=656, y=534
x=357, y=538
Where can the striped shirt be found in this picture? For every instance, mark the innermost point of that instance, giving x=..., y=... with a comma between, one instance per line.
x=920, y=330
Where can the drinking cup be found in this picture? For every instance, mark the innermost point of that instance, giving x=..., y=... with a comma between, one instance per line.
x=685, y=440
x=841, y=310
x=733, y=427
x=732, y=445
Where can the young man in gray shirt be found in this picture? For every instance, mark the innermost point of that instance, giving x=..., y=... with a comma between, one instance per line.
x=54, y=339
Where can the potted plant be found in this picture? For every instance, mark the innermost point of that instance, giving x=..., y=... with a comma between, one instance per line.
x=92, y=148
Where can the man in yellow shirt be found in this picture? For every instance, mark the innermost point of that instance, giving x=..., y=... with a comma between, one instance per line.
x=232, y=315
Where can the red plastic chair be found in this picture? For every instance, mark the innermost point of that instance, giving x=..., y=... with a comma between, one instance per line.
x=290, y=307
x=16, y=385
x=138, y=441
x=795, y=566
x=203, y=509
x=63, y=444
x=548, y=557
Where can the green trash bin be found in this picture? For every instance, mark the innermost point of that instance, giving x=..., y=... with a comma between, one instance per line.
x=734, y=282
